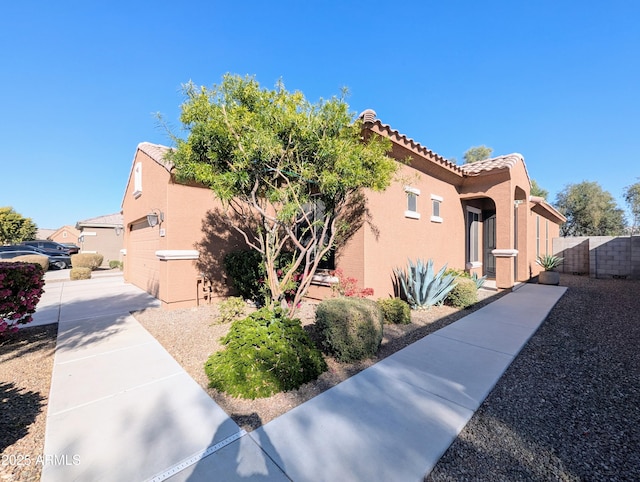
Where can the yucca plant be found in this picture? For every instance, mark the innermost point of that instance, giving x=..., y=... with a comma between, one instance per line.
x=421, y=287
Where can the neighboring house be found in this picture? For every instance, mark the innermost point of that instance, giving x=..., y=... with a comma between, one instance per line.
x=479, y=217
x=44, y=233
x=65, y=234
x=102, y=235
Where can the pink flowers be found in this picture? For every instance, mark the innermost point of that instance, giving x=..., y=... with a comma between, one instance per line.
x=348, y=286
x=21, y=286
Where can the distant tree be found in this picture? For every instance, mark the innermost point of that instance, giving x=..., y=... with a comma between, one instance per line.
x=14, y=228
x=290, y=172
x=632, y=198
x=536, y=190
x=475, y=154
x=590, y=211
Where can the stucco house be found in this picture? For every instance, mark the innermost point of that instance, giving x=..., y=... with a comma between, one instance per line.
x=65, y=234
x=102, y=235
x=479, y=217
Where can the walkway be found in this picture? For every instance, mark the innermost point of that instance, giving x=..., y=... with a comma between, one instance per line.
x=121, y=408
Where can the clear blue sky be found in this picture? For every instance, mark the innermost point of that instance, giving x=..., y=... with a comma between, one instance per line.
x=556, y=80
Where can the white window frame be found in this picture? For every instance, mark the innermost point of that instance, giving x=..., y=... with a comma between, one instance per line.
x=137, y=180
x=436, y=201
x=415, y=192
x=473, y=263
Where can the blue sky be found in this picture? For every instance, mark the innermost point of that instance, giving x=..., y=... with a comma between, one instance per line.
x=81, y=81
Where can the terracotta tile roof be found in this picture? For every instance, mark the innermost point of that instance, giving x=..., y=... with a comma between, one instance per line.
x=369, y=119
x=500, y=162
x=115, y=219
x=157, y=152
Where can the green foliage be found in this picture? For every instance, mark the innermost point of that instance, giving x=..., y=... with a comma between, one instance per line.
x=536, y=190
x=87, y=260
x=115, y=264
x=79, y=273
x=549, y=261
x=351, y=328
x=14, y=228
x=589, y=210
x=463, y=294
x=395, y=310
x=478, y=280
x=632, y=198
x=231, y=309
x=42, y=261
x=291, y=169
x=21, y=286
x=244, y=269
x=475, y=154
x=264, y=354
x=420, y=286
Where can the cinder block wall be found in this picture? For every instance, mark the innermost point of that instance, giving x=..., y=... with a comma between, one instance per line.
x=600, y=256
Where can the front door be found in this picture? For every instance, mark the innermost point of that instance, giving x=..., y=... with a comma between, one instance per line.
x=489, y=243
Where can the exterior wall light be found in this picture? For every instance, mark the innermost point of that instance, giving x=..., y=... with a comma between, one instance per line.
x=155, y=217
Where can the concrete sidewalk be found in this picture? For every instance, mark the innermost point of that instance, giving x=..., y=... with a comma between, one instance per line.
x=122, y=409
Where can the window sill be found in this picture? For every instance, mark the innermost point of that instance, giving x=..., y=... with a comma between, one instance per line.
x=411, y=215
x=473, y=265
x=436, y=219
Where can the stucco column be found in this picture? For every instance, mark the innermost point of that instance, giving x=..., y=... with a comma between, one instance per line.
x=505, y=251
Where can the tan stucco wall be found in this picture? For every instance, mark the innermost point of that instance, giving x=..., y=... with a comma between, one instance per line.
x=105, y=241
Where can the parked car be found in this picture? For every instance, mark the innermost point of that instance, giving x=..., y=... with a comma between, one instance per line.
x=56, y=261
x=73, y=248
x=49, y=246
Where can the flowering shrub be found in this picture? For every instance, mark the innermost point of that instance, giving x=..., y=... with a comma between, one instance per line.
x=21, y=285
x=347, y=286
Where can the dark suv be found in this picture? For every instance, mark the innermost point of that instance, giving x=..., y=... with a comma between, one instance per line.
x=48, y=246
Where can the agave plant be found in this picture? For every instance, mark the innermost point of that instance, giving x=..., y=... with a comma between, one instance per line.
x=479, y=281
x=548, y=261
x=421, y=287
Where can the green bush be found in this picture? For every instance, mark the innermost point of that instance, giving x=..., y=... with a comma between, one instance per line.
x=43, y=261
x=115, y=264
x=464, y=293
x=80, y=273
x=231, y=309
x=265, y=353
x=244, y=269
x=87, y=260
x=395, y=311
x=351, y=328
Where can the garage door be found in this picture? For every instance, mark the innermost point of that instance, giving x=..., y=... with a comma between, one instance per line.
x=144, y=266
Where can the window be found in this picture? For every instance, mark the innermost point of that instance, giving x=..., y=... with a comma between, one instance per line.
x=435, y=208
x=412, y=202
x=546, y=237
x=473, y=237
x=537, y=235
x=137, y=179
x=313, y=227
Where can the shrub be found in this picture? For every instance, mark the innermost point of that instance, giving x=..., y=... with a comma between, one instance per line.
x=420, y=286
x=350, y=328
x=243, y=267
x=21, y=285
x=115, y=264
x=80, y=273
x=478, y=280
x=87, y=260
x=395, y=310
x=265, y=353
x=347, y=286
x=463, y=294
x=231, y=309
x=42, y=261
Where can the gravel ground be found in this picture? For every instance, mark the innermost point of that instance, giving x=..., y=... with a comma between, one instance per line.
x=191, y=336
x=26, y=363
x=568, y=408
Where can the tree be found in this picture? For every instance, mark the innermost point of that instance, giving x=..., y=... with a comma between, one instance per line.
x=632, y=198
x=475, y=154
x=15, y=228
x=589, y=210
x=536, y=190
x=289, y=172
